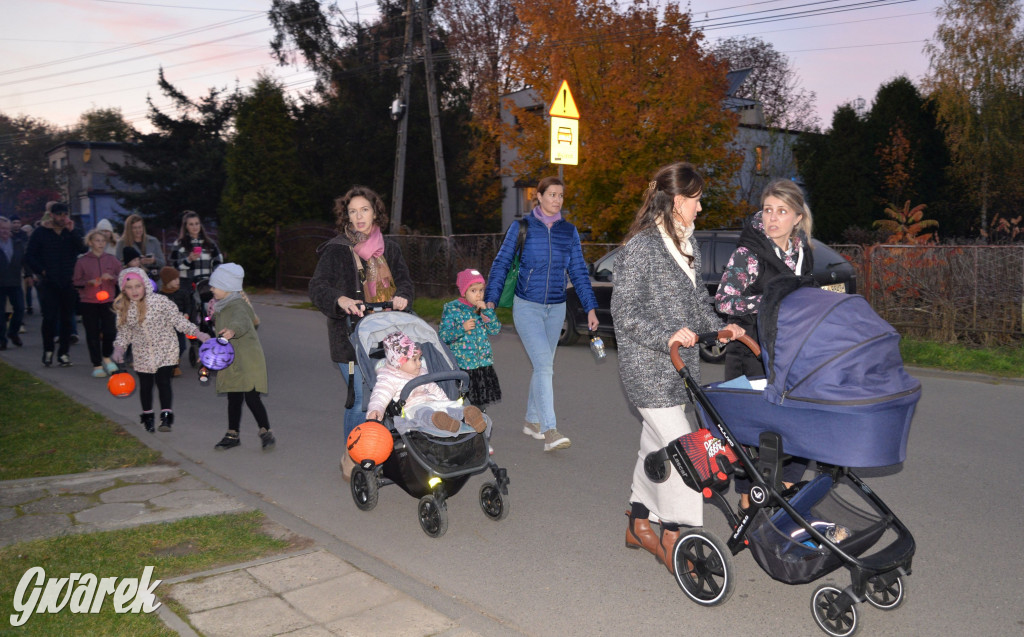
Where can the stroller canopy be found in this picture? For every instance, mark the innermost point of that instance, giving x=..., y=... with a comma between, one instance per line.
x=823, y=348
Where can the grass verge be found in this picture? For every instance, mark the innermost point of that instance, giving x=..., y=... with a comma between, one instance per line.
x=45, y=433
x=191, y=545
x=995, y=361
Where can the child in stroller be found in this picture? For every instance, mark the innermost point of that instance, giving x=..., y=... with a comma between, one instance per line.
x=428, y=462
x=428, y=406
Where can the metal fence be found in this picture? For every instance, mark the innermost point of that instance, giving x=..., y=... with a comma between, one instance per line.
x=944, y=293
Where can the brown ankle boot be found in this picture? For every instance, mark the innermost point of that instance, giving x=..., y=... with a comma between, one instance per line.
x=474, y=418
x=639, y=534
x=668, y=545
x=445, y=422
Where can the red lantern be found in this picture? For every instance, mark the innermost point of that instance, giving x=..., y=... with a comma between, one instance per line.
x=102, y=295
x=121, y=385
x=190, y=337
x=370, y=441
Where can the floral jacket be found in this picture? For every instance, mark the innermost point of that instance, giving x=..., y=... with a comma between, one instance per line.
x=471, y=349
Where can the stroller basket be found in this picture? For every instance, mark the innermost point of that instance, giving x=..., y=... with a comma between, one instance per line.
x=786, y=552
x=448, y=457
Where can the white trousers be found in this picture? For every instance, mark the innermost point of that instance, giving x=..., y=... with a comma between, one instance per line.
x=672, y=500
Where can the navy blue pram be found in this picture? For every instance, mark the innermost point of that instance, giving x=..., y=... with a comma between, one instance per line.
x=836, y=393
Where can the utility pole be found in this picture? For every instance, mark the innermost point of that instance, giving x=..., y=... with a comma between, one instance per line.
x=400, y=111
x=435, y=128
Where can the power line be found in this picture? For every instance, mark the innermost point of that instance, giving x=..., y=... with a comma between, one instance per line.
x=178, y=6
x=118, y=49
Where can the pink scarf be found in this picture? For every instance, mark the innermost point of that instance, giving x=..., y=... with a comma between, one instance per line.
x=380, y=286
x=372, y=246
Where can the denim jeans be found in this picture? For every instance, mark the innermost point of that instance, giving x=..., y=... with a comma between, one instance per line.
x=538, y=327
x=354, y=416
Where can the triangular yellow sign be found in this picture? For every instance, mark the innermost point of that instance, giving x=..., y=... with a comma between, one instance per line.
x=564, y=105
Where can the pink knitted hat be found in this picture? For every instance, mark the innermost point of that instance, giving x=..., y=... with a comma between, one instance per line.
x=467, y=278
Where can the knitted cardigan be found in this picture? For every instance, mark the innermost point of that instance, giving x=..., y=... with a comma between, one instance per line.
x=652, y=300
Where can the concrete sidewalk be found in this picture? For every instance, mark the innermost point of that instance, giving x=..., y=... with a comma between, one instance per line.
x=307, y=593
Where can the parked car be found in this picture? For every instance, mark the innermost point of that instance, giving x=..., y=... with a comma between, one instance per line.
x=831, y=270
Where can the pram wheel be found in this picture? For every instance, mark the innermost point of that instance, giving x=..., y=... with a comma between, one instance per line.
x=703, y=567
x=364, y=488
x=495, y=506
x=829, y=617
x=433, y=516
x=885, y=596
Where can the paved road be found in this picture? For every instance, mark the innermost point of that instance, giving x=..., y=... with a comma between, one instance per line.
x=557, y=565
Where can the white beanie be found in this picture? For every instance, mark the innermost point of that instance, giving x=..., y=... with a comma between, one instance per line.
x=228, y=277
x=104, y=224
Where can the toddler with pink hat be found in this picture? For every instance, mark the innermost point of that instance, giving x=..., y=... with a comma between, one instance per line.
x=466, y=326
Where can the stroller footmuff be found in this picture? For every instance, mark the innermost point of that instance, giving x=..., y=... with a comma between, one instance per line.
x=427, y=463
x=835, y=392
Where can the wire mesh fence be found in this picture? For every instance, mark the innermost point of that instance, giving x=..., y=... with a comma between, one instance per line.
x=943, y=293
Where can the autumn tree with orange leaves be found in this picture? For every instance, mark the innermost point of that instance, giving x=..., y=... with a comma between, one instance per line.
x=647, y=94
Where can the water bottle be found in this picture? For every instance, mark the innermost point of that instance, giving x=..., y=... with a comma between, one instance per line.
x=597, y=347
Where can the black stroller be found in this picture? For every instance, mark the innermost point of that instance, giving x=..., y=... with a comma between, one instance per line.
x=427, y=467
x=836, y=393
x=201, y=296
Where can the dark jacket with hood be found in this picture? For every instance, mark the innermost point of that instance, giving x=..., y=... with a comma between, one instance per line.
x=336, y=275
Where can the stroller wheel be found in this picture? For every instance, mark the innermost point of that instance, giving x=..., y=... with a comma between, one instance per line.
x=885, y=596
x=364, y=488
x=433, y=516
x=494, y=504
x=826, y=606
x=703, y=567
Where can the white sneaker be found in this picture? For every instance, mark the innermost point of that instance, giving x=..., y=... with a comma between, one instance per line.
x=533, y=429
x=554, y=440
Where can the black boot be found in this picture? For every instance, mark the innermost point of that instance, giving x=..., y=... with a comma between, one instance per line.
x=166, y=420
x=267, y=438
x=147, y=421
x=229, y=440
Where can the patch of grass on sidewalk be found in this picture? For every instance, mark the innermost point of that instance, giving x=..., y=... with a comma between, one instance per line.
x=174, y=548
x=45, y=433
x=995, y=361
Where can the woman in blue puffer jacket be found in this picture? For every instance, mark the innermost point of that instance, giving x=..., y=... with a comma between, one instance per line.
x=550, y=251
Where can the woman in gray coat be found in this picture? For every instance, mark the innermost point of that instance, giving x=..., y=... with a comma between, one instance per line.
x=659, y=302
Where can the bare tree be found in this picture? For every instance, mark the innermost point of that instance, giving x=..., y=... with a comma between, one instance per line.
x=773, y=82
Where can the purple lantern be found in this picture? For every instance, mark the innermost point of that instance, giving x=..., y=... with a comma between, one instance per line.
x=156, y=288
x=216, y=353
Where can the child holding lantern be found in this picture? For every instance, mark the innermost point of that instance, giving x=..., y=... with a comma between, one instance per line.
x=95, y=274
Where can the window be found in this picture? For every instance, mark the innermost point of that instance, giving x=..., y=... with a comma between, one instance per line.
x=527, y=195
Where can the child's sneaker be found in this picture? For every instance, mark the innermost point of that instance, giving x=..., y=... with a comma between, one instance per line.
x=267, y=438
x=229, y=441
x=554, y=440
x=444, y=422
x=99, y=372
x=533, y=429
x=474, y=418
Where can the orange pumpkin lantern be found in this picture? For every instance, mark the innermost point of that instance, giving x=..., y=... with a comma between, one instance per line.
x=370, y=441
x=121, y=385
x=102, y=295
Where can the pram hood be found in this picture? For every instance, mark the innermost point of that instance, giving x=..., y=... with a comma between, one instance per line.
x=827, y=349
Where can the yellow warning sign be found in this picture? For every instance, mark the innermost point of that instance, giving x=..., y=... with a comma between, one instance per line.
x=565, y=141
x=564, y=105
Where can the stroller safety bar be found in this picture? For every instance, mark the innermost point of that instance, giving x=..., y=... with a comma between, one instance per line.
x=434, y=377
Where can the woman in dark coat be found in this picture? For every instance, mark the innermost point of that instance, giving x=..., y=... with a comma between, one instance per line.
x=775, y=241
x=357, y=266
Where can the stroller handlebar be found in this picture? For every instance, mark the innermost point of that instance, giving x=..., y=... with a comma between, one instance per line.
x=709, y=338
x=433, y=377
